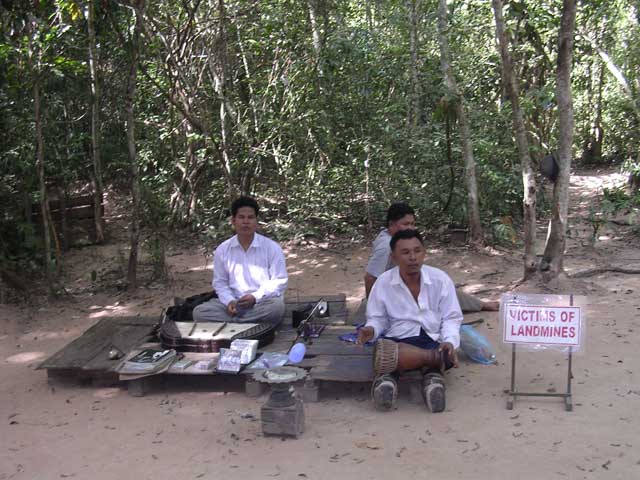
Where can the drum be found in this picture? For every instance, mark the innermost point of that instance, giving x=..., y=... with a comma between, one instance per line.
x=389, y=356
x=385, y=356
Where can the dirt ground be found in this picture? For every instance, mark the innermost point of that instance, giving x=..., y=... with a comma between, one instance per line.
x=53, y=430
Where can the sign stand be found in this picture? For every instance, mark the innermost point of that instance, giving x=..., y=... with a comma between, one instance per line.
x=513, y=393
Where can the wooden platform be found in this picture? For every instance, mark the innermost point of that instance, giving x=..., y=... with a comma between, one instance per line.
x=327, y=358
x=87, y=357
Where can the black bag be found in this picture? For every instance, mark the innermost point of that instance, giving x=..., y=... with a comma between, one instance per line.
x=184, y=311
x=300, y=314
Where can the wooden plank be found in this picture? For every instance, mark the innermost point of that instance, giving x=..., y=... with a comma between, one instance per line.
x=125, y=337
x=338, y=348
x=345, y=369
x=137, y=320
x=82, y=349
x=70, y=202
x=327, y=344
x=340, y=297
x=96, y=342
x=337, y=303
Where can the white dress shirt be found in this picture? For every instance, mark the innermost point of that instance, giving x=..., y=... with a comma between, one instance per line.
x=392, y=311
x=380, y=258
x=260, y=270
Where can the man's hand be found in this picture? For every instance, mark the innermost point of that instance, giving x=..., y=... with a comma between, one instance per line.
x=246, y=302
x=364, y=335
x=447, y=348
x=232, y=309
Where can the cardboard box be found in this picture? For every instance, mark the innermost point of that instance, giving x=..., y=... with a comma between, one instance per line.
x=249, y=349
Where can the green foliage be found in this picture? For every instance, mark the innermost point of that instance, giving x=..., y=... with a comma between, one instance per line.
x=320, y=137
x=503, y=233
x=613, y=201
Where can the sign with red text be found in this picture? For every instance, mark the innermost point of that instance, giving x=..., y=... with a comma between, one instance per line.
x=542, y=325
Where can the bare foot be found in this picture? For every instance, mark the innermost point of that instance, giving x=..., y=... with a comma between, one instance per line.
x=491, y=306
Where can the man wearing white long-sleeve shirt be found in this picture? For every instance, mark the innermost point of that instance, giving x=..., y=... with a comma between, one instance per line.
x=417, y=305
x=249, y=273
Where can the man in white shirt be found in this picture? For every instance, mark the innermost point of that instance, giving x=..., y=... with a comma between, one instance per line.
x=249, y=273
x=417, y=305
x=401, y=216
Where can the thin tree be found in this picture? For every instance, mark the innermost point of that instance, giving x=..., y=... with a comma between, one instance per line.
x=95, y=122
x=35, y=61
x=134, y=227
x=314, y=7
x=553, y=258
x=528, y=178
x=475, y=227
x=413, y=110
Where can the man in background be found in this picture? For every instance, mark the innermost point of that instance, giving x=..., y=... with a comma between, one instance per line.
x=400, y=216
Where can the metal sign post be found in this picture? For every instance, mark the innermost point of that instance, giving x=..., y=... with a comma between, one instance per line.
x=513, y=393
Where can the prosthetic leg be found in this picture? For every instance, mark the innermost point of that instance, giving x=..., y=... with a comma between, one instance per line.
x=433, y=391
x=384, y=392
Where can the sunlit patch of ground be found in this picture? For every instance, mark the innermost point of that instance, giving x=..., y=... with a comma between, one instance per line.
x=26, y=357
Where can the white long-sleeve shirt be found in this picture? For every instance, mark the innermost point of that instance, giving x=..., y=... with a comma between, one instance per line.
x=393, y=312
x=260, y=270
x=380, y=258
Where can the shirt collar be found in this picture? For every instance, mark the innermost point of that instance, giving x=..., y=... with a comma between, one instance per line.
x=396, y=279
x=256, y=242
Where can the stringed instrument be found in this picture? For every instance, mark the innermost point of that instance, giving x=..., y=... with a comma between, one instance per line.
x=210, y=337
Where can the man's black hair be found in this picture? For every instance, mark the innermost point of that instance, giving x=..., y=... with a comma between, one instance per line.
x=405, y=235
x=240, y=202
x=398, y=210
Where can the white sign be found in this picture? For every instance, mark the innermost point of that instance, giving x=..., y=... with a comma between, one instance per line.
x=542, y=325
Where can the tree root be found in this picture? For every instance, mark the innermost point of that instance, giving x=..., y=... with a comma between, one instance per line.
x=597, y=271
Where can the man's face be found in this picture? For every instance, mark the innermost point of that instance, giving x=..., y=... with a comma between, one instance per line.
x=405, y=223
x=245, y=222
x=409, y=255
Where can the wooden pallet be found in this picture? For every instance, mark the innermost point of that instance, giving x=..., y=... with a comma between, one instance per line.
x=90, y=352
x=327, y=358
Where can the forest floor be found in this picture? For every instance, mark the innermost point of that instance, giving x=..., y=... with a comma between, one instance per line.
x=52, y=431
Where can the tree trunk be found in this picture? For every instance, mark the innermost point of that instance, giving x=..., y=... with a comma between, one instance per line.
x=475, y=226
x=552, y=262
x=35, y=61
x=134, y=226
x=249, y=81
x=413, y=110
x=177, y=203
x=64, y=224
x=95, y=123
x=317, y=36
x=528, y=178
x=592, y=147
x=220, y=75
x=44, y=198
x=449, y=155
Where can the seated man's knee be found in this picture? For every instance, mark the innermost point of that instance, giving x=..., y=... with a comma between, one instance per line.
x=210, y=311
x=275, y=310
x=197, y=313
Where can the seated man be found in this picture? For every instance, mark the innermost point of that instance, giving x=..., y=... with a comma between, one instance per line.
x=249, y=273
x=414, y=305
x=401, y=216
